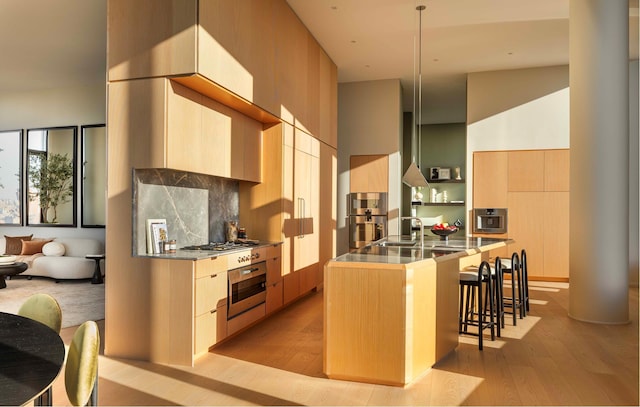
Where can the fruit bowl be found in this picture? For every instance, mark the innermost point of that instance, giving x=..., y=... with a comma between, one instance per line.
x=443, y=231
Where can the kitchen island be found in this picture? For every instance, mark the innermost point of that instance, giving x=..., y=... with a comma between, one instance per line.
x=391, y=308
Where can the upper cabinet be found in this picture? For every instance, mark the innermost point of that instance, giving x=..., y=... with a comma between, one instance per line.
x=262, y=61
x=181, y=129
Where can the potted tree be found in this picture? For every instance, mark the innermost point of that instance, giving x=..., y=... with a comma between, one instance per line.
x=51, y=178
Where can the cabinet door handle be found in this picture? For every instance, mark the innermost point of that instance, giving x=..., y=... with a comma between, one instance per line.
x=301, y=212
x=213, y=311
x=214, y=275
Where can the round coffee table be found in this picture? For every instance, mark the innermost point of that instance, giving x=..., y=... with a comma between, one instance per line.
x=10, y=270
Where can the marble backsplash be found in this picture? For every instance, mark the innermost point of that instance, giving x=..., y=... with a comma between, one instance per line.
x=196, y=206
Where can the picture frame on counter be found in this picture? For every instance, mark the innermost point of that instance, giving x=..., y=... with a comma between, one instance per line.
x=157, y=234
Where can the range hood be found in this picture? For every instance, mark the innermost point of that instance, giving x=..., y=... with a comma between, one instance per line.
x=414, y=178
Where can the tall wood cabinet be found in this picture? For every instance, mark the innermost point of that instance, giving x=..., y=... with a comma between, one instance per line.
x=287, y=205
x=534, y=186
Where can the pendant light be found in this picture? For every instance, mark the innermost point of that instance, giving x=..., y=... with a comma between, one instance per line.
x=413, y=177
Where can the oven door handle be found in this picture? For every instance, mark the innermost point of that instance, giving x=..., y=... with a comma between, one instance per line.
x=249, y=271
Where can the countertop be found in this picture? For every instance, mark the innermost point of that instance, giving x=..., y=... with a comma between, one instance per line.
x=181, y=254
x=433, y=248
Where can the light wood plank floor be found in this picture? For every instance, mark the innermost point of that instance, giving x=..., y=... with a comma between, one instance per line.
x=547, y=359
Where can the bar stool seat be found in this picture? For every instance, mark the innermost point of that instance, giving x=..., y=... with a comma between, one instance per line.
x=471, y=282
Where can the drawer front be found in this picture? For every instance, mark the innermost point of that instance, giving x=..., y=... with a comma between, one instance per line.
x=207, y=267
x=274, y=251
x=210, y=291
x=274, y=270
x=206, y=331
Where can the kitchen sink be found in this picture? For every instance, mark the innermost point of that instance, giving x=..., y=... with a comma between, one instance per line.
x=398, y=244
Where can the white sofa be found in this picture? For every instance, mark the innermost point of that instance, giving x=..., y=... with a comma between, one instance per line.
x=70, y=265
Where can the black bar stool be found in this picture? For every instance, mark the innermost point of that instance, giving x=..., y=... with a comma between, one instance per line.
x=471, y=287
x=525, y=280
x=516, y=301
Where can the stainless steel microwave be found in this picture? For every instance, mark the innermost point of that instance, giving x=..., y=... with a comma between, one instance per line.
x=490, y=220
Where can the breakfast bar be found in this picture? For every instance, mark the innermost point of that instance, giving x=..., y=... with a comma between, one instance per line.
x=391, y=308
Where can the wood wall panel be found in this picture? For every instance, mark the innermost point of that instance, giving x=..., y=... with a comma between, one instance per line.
x=556, y=170
x=369, y=173
x=490, y=170
x=526, y=227
x=556, y=235
x=526, y=171
x=131, y=131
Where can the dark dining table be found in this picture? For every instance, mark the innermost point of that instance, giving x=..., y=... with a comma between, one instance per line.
x=31, y=357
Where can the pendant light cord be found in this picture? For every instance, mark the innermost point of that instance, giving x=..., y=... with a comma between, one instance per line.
x=420, y=8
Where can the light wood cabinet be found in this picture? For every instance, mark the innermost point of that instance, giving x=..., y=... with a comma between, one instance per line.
x=191, y=132
x=151, y=38
x=257, y=51
x=556, y=170
x=286, y=205
x=369, y=173
x=490, y=179
x=328, y=205
x=526, y=171
x=210, y=302
x=207, y=137
x=526, y=227
x=556, y=235
x=537, y=196
x=274, y=279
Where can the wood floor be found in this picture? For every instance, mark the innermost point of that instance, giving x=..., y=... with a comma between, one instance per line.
x=547, y=359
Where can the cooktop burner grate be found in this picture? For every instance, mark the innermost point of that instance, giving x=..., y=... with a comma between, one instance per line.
x=218, y=247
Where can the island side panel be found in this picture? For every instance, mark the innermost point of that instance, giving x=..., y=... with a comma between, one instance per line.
x=448, y=282
x=422, y=334
x=365, y=322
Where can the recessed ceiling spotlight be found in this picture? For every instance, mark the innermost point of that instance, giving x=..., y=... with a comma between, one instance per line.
x=509, y=53
x=435, y=60
x=353, y=41
x=367, y=66
x=334, y=7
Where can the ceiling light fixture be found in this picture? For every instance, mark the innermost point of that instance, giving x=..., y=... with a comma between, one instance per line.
x=413, y=177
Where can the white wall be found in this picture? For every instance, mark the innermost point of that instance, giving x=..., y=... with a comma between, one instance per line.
x=516, y=110
x=69, y=106
x=369, y=122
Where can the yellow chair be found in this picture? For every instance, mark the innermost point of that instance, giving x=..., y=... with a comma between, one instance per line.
x=43, y=308
x=81, y=371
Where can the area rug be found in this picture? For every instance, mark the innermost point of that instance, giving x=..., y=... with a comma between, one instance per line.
x=79, y=299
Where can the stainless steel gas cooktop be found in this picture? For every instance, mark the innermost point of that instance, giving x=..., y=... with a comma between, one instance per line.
x=220, y=247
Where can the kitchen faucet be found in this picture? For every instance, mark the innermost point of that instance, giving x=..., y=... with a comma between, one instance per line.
x=419, y=222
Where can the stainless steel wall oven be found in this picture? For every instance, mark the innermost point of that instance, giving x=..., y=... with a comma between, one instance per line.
x=489, y=220
x=367, y=218
x=247, y=288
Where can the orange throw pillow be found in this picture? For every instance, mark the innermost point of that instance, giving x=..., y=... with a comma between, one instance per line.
x=32, y=246
x=14, y=244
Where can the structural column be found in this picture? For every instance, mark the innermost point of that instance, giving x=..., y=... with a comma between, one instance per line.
x=599, y=119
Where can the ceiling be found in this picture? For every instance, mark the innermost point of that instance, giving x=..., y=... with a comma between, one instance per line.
x=60, y=43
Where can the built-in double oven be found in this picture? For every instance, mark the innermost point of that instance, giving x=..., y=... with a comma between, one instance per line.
x=367, y=218
x=247, y=282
